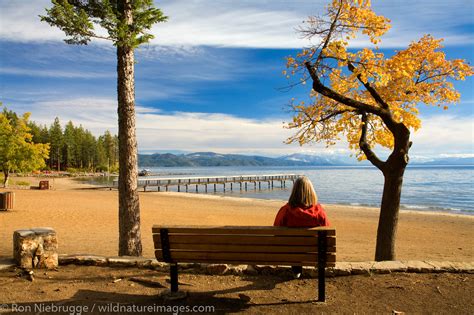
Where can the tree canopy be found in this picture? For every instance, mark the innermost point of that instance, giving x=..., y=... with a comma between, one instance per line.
x=17, y=150
x=79, y=19
x=364, y=93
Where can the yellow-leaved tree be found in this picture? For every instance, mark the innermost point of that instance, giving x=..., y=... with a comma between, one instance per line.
x=368, y=98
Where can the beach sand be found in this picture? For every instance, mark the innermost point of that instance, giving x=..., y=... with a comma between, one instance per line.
x=86, y=221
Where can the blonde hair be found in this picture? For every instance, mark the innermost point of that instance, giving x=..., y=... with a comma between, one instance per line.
x=303, y=193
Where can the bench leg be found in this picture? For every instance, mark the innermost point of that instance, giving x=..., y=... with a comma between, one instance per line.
x=322, y=251
x=174, y=277
x=321, y=284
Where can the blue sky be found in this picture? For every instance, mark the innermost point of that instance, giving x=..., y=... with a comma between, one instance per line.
x=211, y=79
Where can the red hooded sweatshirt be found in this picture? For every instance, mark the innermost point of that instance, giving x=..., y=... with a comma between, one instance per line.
x=312, y=216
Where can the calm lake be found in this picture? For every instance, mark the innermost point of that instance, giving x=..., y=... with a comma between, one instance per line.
x=433, y=188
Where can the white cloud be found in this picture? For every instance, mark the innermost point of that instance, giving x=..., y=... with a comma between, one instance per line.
x=54, y=73
x=257, y=24
x=440, y=136
x=444, y=134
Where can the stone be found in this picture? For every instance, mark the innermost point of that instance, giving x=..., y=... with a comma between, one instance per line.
x=459, y=266
x=35, y=248
x=342, y=269
x=388, y=267
x=250, y=270
x=144, y=262
x=6, y=264
x=418, y=266
x=441, y=266
x=122, y=261
x=236, y=270
x=216, y=269
x=158, y=265
x=91, y=260
x=361, y=268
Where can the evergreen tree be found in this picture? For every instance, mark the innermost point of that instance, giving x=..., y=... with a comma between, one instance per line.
x=56, y=144
x=69, y=145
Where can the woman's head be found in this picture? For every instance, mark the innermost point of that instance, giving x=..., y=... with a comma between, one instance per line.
x=303, y=193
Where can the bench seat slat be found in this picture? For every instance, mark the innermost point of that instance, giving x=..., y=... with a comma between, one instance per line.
x=243, y=261
x=270, y=230
x=242, y=239
x=254, y=257
x=249, y=248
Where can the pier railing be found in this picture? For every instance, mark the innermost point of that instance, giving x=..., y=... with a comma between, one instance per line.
x=226, y=181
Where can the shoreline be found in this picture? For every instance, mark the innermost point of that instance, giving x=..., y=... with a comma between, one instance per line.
x=86, y=221
x=83, y=181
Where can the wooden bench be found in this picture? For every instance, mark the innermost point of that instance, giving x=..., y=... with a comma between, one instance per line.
x=253, y=245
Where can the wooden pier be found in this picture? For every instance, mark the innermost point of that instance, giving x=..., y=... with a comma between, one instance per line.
x=244, y=182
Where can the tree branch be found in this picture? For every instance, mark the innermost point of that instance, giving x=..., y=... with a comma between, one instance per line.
x=365, y=147
x=319, y=87
x=368, y=87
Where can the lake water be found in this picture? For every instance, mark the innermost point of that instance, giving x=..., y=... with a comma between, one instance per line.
x=433, y=188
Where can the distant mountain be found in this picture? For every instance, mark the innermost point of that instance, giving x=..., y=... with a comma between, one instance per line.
x=297, y=159
x=446, y=161
x=312, y=159
x=216, y=159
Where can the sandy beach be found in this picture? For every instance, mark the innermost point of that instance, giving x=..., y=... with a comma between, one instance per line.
x=86, y=222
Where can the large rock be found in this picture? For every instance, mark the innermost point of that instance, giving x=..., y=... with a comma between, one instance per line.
x=35, y=248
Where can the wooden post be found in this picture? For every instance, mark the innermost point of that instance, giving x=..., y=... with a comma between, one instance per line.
x=186, y=187
x=174, y=277
x=223, y=187
x=245, y=186
x=197, y=188
x=322, y=250
x=214, y=187
x=205, y=185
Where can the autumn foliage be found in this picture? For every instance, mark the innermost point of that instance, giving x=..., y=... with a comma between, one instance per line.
x=419, y=74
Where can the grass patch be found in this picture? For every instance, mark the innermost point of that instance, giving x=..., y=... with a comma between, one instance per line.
x=22, y=183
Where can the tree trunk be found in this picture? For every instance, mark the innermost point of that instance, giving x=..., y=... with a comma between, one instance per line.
x=393, y=171
x=388, y=220
x=6, y=175
x=129, y=208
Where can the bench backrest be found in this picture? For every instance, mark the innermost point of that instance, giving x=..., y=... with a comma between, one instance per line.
x=245, y=245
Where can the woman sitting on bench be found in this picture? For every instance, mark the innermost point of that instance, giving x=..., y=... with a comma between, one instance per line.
x=302, y=210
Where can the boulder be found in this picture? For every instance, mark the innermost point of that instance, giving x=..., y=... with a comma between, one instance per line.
x=35, y=248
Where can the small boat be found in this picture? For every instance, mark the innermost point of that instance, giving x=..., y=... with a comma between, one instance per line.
x=144, y=172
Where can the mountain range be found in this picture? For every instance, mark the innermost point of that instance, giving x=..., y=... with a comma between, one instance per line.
x=297, y=159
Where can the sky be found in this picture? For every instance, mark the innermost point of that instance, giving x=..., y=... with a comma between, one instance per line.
x=211, y=79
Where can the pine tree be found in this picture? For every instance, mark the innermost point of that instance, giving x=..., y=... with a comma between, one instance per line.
x=127, y=23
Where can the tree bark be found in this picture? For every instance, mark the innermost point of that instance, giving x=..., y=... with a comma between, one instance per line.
x=129, y=208
x=393, y=171
x=6, y=175
x=388, y=220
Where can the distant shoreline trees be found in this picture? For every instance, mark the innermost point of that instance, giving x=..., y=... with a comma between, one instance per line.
x=75, y=148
